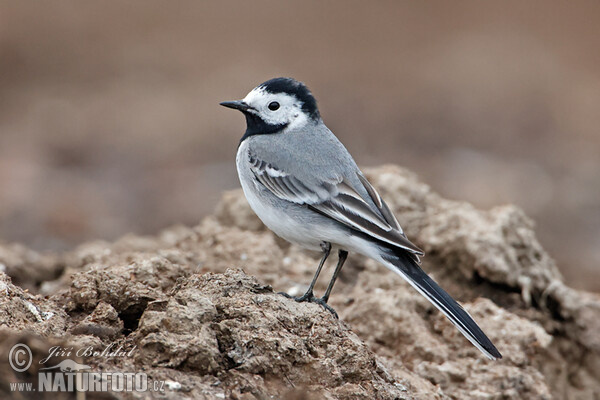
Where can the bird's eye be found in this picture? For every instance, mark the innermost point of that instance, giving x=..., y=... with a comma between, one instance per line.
x=273, y=106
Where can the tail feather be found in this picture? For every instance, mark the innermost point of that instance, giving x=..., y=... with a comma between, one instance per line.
x=402, y=263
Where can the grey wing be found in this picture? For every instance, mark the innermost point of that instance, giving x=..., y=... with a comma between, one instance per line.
x=336, y=198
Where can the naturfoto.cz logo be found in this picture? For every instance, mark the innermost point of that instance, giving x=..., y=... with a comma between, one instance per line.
x=69, y=375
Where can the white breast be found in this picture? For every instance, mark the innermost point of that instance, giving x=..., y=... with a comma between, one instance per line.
x=280, y=216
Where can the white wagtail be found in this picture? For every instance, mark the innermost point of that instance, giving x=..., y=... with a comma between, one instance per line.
x=305, y=186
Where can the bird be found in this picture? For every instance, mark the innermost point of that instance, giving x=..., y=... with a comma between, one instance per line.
x=305, y=186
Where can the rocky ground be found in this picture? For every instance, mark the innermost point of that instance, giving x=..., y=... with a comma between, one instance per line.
x=198, y=308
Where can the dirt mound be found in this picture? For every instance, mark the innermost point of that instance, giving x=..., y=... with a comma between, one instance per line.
x=197, y=309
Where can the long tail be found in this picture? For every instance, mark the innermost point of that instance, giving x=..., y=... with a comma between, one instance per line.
x=401, y=262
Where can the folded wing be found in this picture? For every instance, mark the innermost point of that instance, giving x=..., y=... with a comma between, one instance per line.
x=338, y=199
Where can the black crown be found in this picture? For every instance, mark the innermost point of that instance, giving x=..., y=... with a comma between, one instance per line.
x=298, y=89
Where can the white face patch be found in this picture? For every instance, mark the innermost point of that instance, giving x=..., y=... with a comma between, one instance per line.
x=289, y=113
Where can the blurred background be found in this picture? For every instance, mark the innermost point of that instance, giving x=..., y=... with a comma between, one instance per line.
x=109, y=116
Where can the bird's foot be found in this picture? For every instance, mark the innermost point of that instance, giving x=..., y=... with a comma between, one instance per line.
x=310, y=298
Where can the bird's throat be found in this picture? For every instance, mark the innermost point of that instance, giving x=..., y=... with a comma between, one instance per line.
x=257, y=126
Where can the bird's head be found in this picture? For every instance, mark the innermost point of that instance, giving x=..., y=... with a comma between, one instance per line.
x=276, y=105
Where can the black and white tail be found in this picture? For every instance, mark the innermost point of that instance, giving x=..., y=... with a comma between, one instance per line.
x=403, y=263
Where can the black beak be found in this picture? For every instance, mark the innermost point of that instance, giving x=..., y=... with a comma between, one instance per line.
x=236, y=105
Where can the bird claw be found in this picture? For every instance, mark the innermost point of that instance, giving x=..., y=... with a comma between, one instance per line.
x=310, y=298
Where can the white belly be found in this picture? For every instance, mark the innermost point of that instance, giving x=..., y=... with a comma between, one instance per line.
x=284, y=218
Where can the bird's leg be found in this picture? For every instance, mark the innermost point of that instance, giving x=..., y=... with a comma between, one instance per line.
x=326, y=246
x=342, y=255
x=309, y=295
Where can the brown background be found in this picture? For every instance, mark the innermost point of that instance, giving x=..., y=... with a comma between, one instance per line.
x=109, y=116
